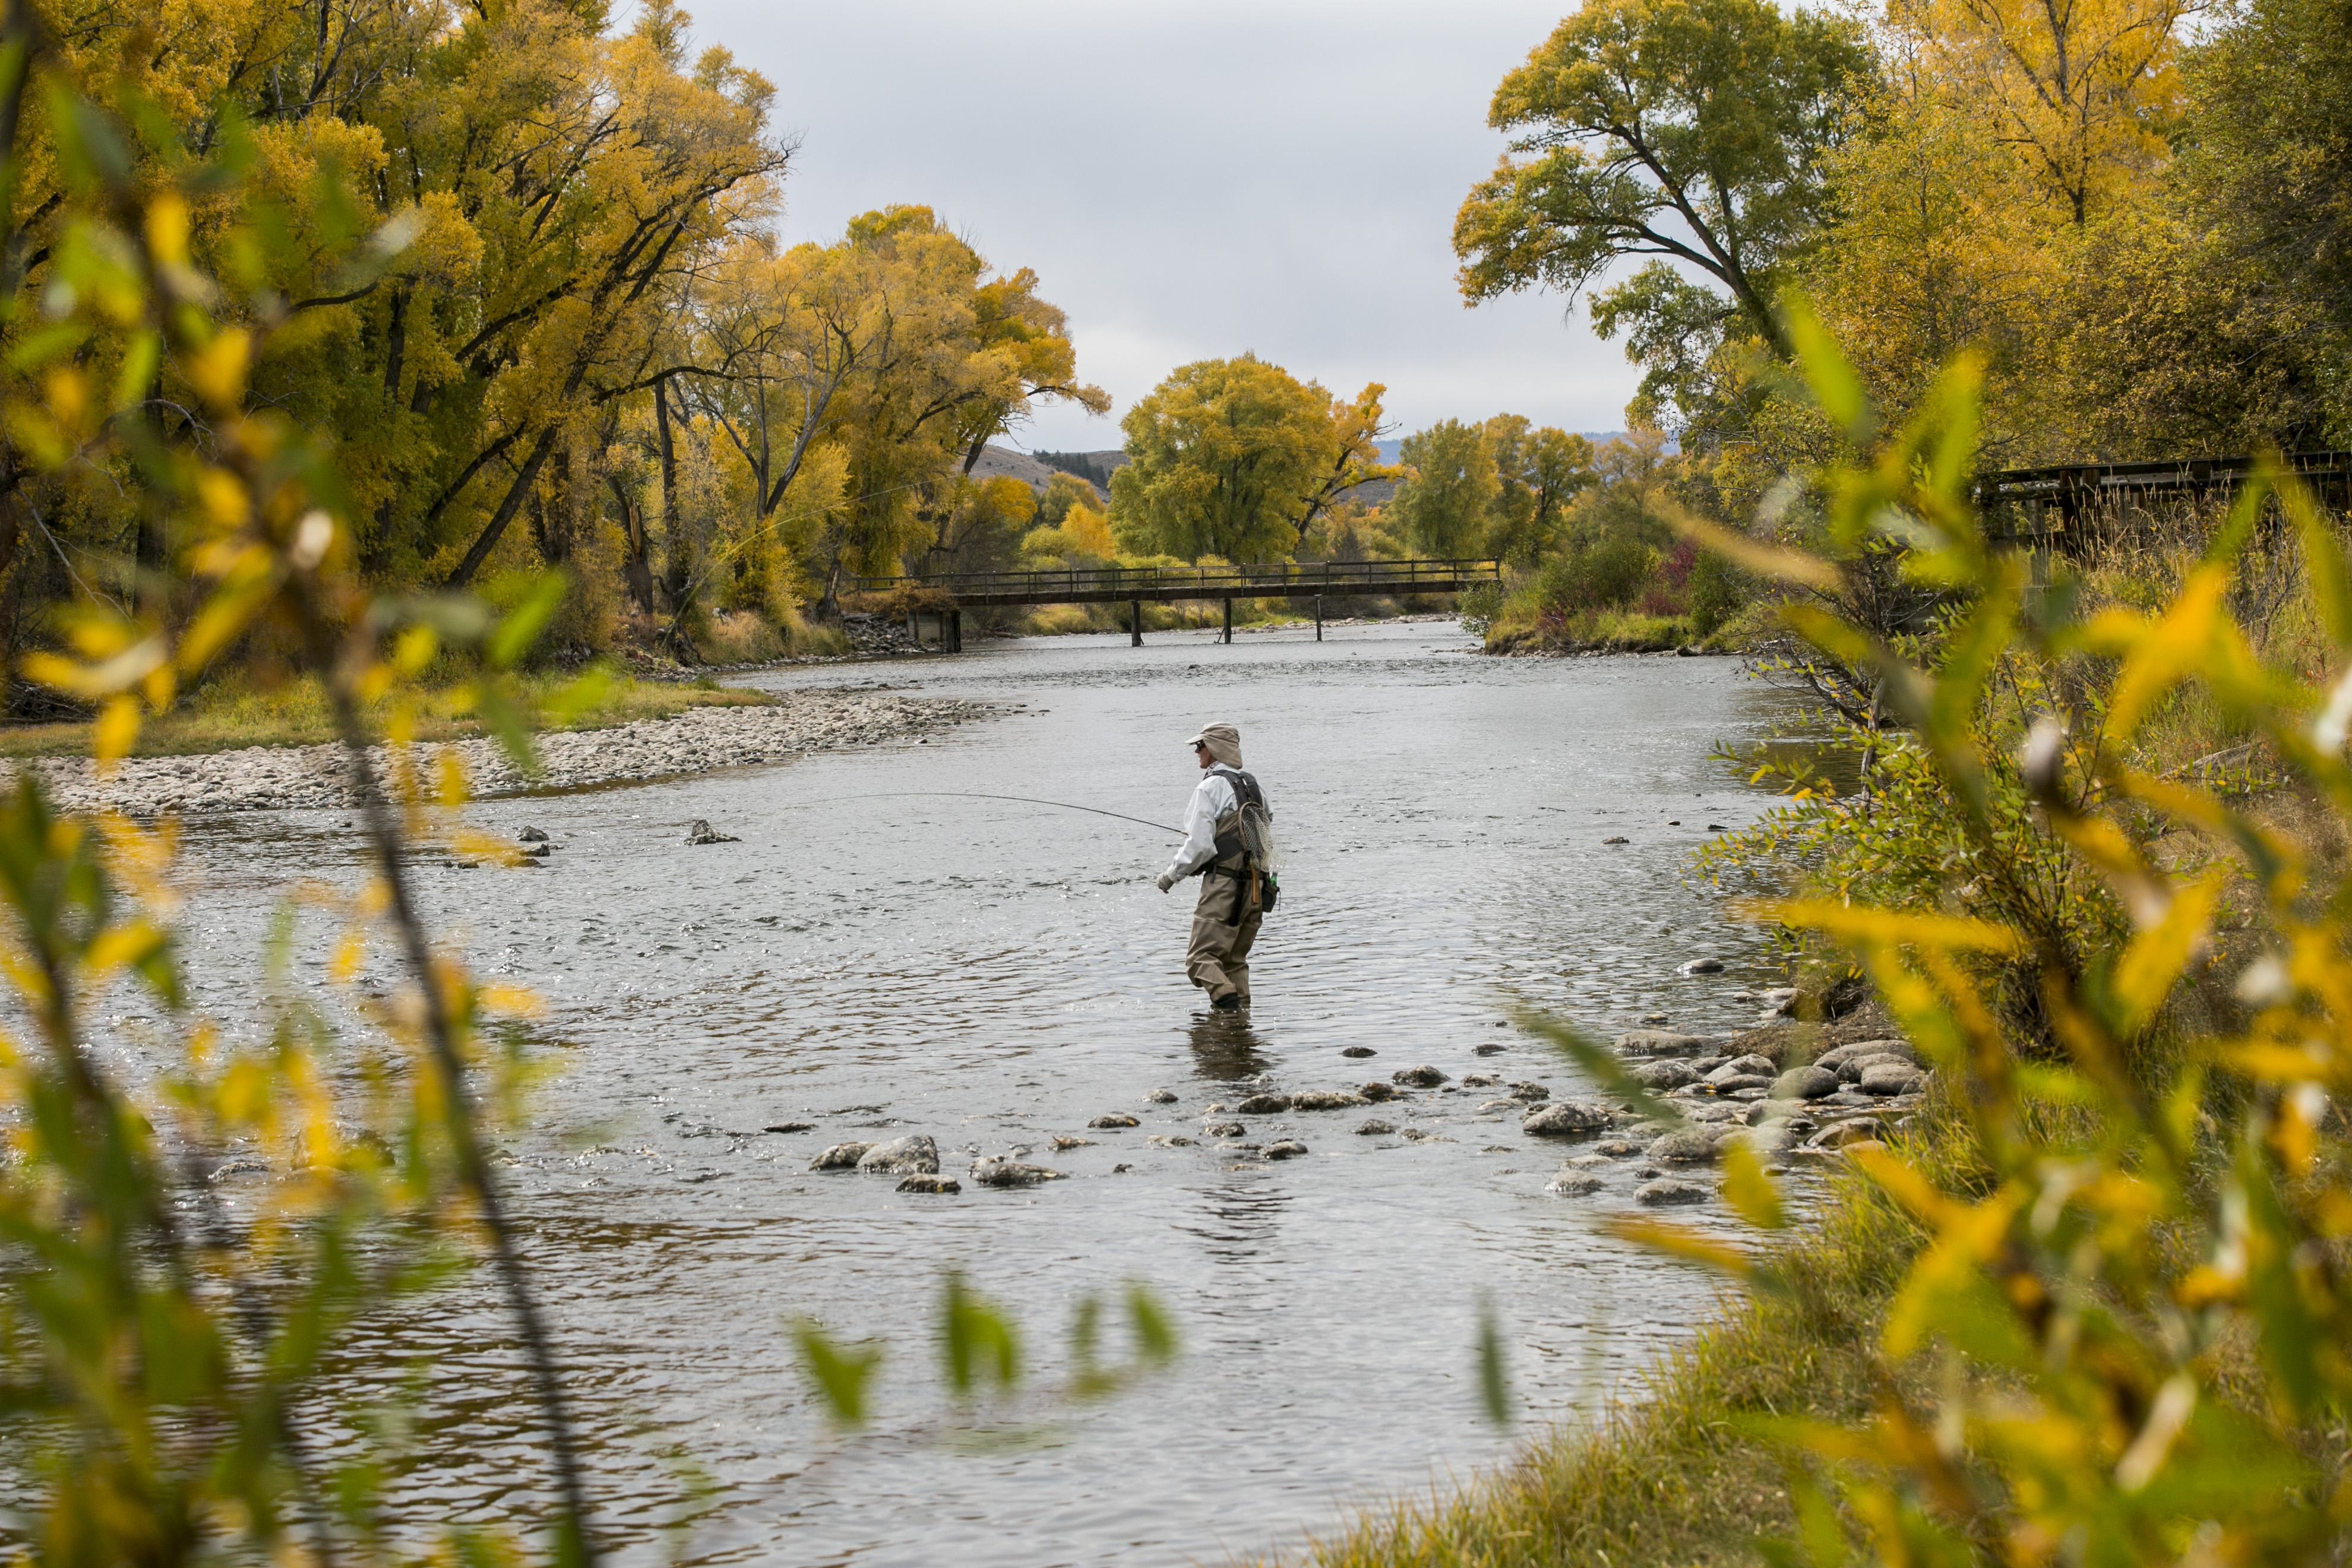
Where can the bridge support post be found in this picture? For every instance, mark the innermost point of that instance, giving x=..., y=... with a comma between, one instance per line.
x=1135, y=623
x=915, y=627
x=955, y=631
x=1319, y=617
x=1229, y=617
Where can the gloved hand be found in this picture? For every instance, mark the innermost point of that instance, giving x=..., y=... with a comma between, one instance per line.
x=1167, y=880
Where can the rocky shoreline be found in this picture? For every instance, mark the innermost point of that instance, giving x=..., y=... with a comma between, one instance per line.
x=699, y=739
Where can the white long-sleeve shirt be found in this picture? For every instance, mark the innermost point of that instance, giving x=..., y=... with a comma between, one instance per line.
x=1213, y=797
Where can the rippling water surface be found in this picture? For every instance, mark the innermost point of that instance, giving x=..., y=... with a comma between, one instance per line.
x=879, y=963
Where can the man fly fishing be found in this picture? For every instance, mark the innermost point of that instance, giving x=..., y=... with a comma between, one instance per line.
x=1229, y=845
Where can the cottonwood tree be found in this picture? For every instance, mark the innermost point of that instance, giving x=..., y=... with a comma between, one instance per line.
x=1692, y=130
x=1235, y=458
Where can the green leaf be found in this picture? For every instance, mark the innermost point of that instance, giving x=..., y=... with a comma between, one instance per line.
x=521, y=628
x=1494, y=1387
x=45, y=344
x=838, y=1376
x=582, y=692
x=1834, y=384
x=1154, y=1332
x=976, y=1340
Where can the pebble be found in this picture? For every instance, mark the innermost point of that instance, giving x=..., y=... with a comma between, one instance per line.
x=930, y=1183
x=1223, y=1130
x=1010, y=1174
x=1284, y=1149
x=1565, y=1117
x=699, y=739
x=1120, y=1119
x=1750, y=1066
x=1669, y=1073
x=840, y=1157
x=1374, y=1127
x=1422, y=1076
x=911, y=1156
x=1264, y=1105
x=1660, y=1194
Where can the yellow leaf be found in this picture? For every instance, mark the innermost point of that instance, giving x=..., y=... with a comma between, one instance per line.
x=1870, y=927
x=2169, y=651
x=116, y=731
x=217, y=370
x=1677, y=1242
x=167, y=228
x=2152, y=963
x=1749, y=1190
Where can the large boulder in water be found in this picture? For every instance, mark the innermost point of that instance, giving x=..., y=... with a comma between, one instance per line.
x=840, y=1157
x=912, y=1156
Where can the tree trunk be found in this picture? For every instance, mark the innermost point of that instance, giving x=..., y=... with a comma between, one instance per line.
x=636, y=563
x=489, y=539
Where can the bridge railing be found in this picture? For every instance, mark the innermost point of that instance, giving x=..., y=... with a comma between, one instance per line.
x=1293, y=578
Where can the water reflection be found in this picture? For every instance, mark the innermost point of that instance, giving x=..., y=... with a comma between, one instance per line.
x=1226, y=1050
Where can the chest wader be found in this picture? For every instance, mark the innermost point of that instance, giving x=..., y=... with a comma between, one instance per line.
x=1237, y=888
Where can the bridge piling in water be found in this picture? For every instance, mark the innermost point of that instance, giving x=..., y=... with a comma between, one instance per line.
x=1229, y=618
x=1135, y=623
x=1319, y=617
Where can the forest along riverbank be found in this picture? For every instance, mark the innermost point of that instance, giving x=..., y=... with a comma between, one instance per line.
x=700, y=740
x=882, y=958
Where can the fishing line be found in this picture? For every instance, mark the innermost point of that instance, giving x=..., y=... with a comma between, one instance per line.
x=975, y=795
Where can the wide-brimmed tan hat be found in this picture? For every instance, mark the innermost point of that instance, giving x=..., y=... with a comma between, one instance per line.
x=1224, y=743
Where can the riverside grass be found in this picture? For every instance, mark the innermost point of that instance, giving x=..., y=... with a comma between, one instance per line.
x=232, y=713
x=1678, y=1474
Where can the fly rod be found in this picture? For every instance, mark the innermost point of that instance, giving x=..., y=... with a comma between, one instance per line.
x=975, y=795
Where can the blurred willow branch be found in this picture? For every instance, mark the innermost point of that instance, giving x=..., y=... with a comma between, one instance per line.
x=164, y=1443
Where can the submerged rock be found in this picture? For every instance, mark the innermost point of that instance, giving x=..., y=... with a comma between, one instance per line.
x=1323, y=1100
x=788, y=1127
x=1422, y=1076
x=1264, y=1105
x=1374, y=1092
x=1530, y=1092
x=702, y=832
x=1161, y=1097
x=1357, y=1051
x=1620, y=1148
x=1115, y=1118
x=1284, y=1149
x=1704, y=966
x=1574, y=1184
x=1010, y=1174
x=911, y=1156
x=1374, y=1128
x=1170, y=1141
x=1855, y=1130
x=840, y=1157
x=1667, y=1191
x=1489, y=1049
x=930, y=1183
x=1223, y=1130
x=1063, y=1144
x=530, y=836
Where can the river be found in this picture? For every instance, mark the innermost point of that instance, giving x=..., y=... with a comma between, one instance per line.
x=878, y=963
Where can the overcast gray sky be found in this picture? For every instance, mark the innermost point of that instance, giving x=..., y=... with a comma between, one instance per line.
x=1191, y=180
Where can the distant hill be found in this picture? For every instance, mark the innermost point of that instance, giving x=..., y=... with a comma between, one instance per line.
x=1095, y=467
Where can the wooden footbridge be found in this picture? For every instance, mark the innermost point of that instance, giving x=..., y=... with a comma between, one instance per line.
x=2037, y=503
x=1138, y=585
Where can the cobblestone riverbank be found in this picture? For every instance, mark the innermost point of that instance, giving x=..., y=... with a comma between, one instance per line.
x=258, y=778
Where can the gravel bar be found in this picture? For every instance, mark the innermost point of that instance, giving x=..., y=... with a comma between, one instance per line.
x=262, y=778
